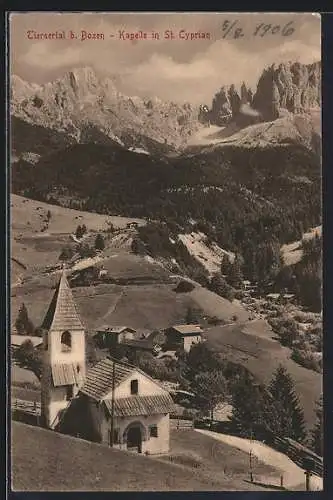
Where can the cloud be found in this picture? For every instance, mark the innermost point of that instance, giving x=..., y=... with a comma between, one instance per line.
x=39, y=55
x=180, y=71
x=222, y=64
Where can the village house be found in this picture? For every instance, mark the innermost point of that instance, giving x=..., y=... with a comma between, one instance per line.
x=121, y=406
x=109, y=336
x=114, y=403
x=183, y=336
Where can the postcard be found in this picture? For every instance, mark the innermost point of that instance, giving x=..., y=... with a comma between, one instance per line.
x=166, y=251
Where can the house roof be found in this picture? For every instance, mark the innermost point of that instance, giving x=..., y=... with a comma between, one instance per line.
x=62, y=314
x=140, y=344
x=114, y=329
x=98, y=381
x=17, y=340
x=67, y=374
x=188, y=329
x=141, y=405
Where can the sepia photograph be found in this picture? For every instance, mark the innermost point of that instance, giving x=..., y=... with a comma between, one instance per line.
x=165, y=251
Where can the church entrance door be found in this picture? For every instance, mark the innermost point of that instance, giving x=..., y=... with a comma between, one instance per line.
x=134, y=439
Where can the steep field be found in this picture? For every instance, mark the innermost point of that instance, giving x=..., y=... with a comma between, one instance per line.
x=38, y=238
x=253, y=345
x=63, y=463
x=142, y=293
x=143, y=307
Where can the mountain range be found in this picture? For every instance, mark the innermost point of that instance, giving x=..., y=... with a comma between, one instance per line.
x=245, y=168
x=81, y=107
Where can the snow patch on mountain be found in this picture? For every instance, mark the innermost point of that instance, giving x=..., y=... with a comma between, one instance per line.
x=292, y=252
x=139, y=151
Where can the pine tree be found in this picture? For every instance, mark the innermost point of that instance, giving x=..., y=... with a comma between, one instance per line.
x=78, y=232
x=290, y=416
x=235, y=277
x=99, y=242
x=225, y=265
x=248, y=403
x=191, y=316
x=23, y=324
x=219, y=286
x=210, y=389
x=317, y=438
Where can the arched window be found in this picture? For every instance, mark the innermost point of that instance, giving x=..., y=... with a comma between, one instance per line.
x=66, y=341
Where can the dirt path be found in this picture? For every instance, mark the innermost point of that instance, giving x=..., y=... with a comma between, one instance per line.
x=112, y=308
x=293, y=475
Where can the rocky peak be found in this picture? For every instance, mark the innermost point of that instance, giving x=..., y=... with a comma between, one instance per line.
x=292, y=87
x=81, y=100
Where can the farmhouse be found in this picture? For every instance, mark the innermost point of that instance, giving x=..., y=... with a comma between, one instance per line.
x=108, y=336
x=121, y=406
x=114, y=403
x=183, y=336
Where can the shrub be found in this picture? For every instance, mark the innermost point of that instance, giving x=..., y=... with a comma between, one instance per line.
x=86, y=251
x=99, y=242
x=138, y=247
x=184, y=287
x=66, y=253
x=214, y=320
x=306, y=359
x=286, y=329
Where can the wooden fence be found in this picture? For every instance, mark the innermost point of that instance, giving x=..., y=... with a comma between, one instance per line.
x=28, y=412
x=298, y=453
x=181, y=422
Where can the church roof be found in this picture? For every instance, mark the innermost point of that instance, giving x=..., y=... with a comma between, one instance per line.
x=67, y=374
x=62, y=314
x=98, y=381
x=141, y=405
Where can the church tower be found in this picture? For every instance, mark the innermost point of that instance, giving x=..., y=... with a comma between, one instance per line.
x=64, y=361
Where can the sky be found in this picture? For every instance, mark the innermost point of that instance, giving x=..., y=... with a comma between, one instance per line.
x=178, y=70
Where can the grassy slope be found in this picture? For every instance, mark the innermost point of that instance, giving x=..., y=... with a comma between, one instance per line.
x=213, y=459
x=145, y=306
x=46, y=461
x=36, y=249
x=148, y=306
x=262, y=354
x=63, y=220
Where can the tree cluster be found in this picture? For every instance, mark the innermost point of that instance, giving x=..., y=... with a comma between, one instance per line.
x=23, y=323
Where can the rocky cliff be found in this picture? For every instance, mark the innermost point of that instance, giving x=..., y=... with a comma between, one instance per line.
x=80, y=104
x=295, y=88
x=86, y=108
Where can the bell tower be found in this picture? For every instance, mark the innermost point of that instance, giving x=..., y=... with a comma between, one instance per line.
x=64, y=362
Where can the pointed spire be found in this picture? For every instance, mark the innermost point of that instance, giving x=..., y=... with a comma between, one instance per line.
x=62, y=314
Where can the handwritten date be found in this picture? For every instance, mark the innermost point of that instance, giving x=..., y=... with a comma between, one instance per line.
x=231, y=29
